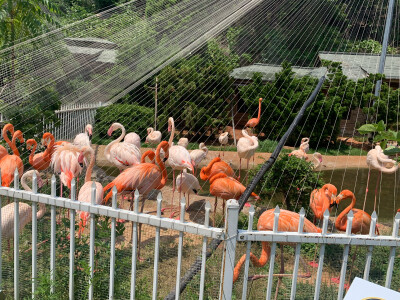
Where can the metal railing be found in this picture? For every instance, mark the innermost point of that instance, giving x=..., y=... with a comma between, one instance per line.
x=230, y=234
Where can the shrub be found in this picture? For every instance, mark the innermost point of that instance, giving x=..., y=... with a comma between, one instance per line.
x=291, y=177
x=135, y=118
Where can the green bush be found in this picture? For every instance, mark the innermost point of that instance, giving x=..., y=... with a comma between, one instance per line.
x=135, y=118
x=291, y=177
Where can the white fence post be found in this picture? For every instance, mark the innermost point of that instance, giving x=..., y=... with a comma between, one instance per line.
x=228, y=260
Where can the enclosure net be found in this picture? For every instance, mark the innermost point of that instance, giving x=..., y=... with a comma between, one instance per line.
x=207, y=64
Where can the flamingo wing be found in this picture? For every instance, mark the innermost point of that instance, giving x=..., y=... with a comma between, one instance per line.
x=125, y=154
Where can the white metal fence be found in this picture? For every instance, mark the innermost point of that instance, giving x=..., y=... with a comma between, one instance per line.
x=73, y=119
x=231, y=236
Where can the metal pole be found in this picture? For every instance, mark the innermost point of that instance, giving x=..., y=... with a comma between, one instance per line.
x=155, y=106
x=233, y=125
x=388, y=27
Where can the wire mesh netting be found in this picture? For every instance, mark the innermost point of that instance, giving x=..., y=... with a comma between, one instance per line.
x=206, y=65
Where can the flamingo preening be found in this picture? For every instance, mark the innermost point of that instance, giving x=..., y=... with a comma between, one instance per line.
x=10, y=162
x=184, y=142
x=223, y=140
x=187, y=183
x=85, y=138
x=214, y=167
x=198, y=155
x=133, y=138
x=303, y=149
x=143, y=177
x=86, y=190
x=121, y=154
x=246, y=148
x=252, y=123
x=321, y=200
x=153, y=137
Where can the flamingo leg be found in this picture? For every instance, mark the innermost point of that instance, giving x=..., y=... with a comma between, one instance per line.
x=240, y=167
x=140, y=230
x=247, y=173
x=223, y=211
x=282, y=271
x=366, y=189
x=376, y=188
x=215, y=209
x=188, y=202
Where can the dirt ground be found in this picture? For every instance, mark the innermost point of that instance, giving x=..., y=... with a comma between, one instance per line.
x=328, y=162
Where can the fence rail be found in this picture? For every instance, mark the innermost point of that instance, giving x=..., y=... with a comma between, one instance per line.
x=230, y=234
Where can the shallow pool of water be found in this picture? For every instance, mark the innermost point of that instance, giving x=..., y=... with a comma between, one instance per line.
x=388, y=192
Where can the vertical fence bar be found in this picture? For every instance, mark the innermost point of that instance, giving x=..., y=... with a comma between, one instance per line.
x=72, y=242
x=370, y=248
x=392, y=255
x=321, y=257
x=112, y=250
x=34, y=236
x=180, y=249
x=228, y=260
x=92, y=235
x=350, y=216
x=247, y=262
x=1, y=242
x=204, y=251
x=53, y=237
x=297, y=256
x=134, y=246
x=16, y=238
x=157, y=249
x=272, y=259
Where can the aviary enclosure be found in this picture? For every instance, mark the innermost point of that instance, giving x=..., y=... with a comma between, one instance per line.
x=198, y=149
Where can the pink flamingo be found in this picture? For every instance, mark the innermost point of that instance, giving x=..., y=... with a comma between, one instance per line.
x=153, y=137
x=133, y=138
x=198, y=155
x=179, y=158
x=187, y=183
x=65, y=163
x=246, y=148
x=86, y=190
x=303, y=149
x=85, y=138
x=121, y=154
x=223, y=140
x=9, y=163
x=143, y=177
x=252, y=123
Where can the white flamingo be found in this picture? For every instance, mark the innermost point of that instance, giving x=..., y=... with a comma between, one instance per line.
x=121, y=154
x=303, y=149
x=133, y=138
x=187, y=183
x=223, y=139
x=25, y=210
x=86, y=190
x=198, y=155
x=246, y=147
x=179, y=158
x=153, y=137
x=85, y=138
x=184, y=142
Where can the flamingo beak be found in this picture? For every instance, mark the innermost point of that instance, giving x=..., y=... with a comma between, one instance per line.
x=165, y=159
x=110, y=131
x=194, y=191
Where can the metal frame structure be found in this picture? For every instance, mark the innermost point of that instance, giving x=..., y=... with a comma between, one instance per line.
x=230, y=234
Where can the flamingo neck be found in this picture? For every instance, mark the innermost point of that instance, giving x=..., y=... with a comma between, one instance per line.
x=14, y=146
x=41, y=211
x=317, y=165
x=252, y=139
x=23, y=182
x=49, y=151
x=217, y=176
x=341, y=221
x=259, y=110
x=119, y=139
x=171, y=137
x=6, y=130
x=34, y=146
x=88, y=175
x=205, y=171
x=164, y=173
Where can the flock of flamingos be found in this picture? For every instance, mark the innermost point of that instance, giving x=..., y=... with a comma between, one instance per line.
x=67, y=160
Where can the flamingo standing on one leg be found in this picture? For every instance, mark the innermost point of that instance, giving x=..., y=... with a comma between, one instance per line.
x=10, y=162
x=86, y=190
x=246, y=148
x=179, y=158
x=198, y=155
x=377, y=160
x=143, y=177
x=121, y=154
x=214, y=167
x=225, y=187
x=133, y=138
x=187, y=183
x=288, y=221
x=25, y=211
x=85, y=138
x=361, y=220
x=223, y=140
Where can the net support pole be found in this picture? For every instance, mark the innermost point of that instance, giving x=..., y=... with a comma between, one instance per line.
x=196, y=266
x=388, y=27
